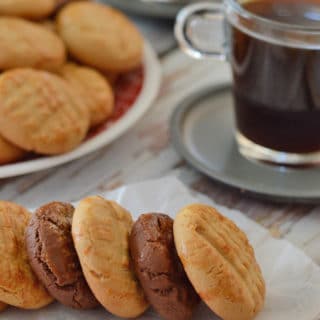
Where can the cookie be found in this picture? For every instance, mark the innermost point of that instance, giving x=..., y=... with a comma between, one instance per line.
x=9, y=152
x=94, y=88
x=159, y=269
x=100, y=36
x=18, y=284
x=30, y=9
x=27, y=44
x=3, y=306
x=219, y=262
x=41, y=112
x=100, y=230
x=53, y=258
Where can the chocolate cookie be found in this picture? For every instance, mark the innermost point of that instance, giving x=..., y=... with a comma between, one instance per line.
x=53, y=257
x=159, y=269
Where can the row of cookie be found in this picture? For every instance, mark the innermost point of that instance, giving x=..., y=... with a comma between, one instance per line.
x=96, y=254
x=91, y=33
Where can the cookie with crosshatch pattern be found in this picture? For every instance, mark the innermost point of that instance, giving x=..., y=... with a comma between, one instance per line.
x=219, y=262
x=19, y=286
x=41, y=112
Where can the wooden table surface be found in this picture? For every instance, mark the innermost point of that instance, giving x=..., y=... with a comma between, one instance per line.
x=145, y=152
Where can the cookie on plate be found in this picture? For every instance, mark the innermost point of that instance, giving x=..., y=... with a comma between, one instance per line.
x=27, y=8
x=159, y=269
x=53, y=257
x=41, y=112
x=9, y=152
x=100, y=232
x=27, y=44
x=100, y=36
x=94, y=88
x=18, y=284
x=3, y=306
x=219, y=262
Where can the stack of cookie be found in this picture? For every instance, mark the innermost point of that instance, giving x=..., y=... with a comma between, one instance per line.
x=96, y=255
x=57, y=64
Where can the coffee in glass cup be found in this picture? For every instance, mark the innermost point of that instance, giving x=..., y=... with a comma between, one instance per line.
x=273, y=47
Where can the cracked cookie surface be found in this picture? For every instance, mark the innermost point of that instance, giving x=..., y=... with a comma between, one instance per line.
x=100, y=230
x=219, y=262
x=53, y=257
x=159, y=269
x=18, y=284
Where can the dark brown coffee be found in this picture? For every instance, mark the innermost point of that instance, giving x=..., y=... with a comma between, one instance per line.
x=277, y=88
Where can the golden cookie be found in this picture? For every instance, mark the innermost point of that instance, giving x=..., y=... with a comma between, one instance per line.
x=18, y=285
x=27, y=44
x=219, y=262
x=95, y=90
x=27, y=8
x=3, y=306
x=100, y=230
x=100, y=36
x=41, y=112
x=9, y=152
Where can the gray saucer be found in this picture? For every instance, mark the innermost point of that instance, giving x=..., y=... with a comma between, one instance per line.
x=202, y=129
x=159, y=10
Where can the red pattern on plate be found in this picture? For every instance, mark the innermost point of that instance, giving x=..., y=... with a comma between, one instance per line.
x=126, y=91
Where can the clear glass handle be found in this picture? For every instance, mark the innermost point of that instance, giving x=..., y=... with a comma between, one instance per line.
x=200, y=30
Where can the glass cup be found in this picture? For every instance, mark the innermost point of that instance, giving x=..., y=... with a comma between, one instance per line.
x=276, y=76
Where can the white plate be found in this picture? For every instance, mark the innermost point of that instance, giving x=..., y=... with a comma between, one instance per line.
x=150, y=89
